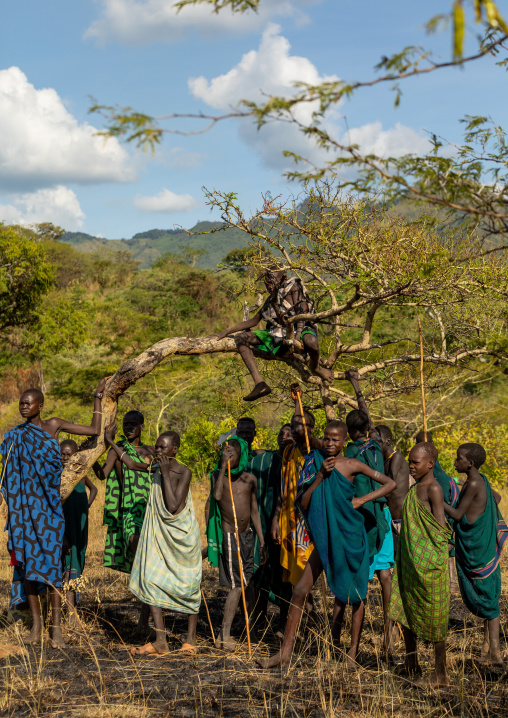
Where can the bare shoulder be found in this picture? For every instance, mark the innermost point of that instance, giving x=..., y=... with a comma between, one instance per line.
x=398, y=460
x=434, y=491
x=146, y=450
x=249, y=479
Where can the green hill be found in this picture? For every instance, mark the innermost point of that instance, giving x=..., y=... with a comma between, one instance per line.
x=147, y=247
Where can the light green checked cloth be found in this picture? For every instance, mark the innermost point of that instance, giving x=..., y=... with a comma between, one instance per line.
x=167, y=568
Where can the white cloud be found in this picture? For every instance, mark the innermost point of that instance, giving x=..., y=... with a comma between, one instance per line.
x=58, y=205
x=165, y=201
x=273, y=70
x=42, y=144
x=148, y=21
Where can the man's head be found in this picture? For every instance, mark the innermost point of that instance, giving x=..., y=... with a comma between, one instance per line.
x=469, y=455
x=422, y=458
x=67, y=449
x=31, y=402
x=335, y=437
x=236, y=452
x=298, y=429
x=167, y=444
x=357, y=423
x=284, y=437
x=246, y=429
x=133, y=424
x=273, y=278
x=385, y=439
x=420, y=437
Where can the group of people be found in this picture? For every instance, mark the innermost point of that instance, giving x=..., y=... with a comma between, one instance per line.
x=275, y=520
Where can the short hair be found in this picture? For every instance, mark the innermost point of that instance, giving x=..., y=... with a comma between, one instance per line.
x=384, y=432
x=420, y=437
x=284, y=426
x=38, y=393
x=475, y=453
x=236, y=443
x=173, y=435
x=69, y=442
x=307, y=414
x=336, y=424
x=357, y=420
x=245, y=420
x=135, y=414
x=429, y=449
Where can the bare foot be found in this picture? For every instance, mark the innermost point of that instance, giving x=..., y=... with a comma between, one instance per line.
x=150, y=649
x=408, y=671
x=435, y=679
x=326, y=374
x=57, y=640
x=495, y=657
x=228, y=644
x=276, y=660
x=260, y=390
x=350, y=663
x=189, y=648
x=34, y=637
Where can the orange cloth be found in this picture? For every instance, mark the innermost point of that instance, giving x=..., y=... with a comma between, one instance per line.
x=296, y=546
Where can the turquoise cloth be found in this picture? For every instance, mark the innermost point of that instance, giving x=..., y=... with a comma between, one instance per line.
x=337, y=530
x=369, y=453
x=385, y=557
x=479, y=547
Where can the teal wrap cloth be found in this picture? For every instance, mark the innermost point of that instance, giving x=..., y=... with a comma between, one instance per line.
x=337, y=530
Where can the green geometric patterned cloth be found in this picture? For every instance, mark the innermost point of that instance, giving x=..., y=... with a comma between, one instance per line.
x=124, y=509
x=420, y=598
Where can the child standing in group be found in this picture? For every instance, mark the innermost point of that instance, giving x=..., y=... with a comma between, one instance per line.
x=480, y=533
x=420, y=598
x=326, y=500
x=75, y=541
x=166, y=572
x=222, y=545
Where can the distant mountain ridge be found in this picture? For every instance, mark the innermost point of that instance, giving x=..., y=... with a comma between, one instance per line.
x=147, y=247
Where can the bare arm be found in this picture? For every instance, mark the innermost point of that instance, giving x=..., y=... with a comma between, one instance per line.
x=247, y=324
x=108, y=467
x=467, y=496
x=122, y=455
x=207, y=510
x=437, y=504
x=99, y=471
x=173, y=495
x=93, y=491
x=275, y=529
x=78, y=429
x=296, y=298
x=387, y=484
x=218, y=487
x=354, y=378
x=327, y=467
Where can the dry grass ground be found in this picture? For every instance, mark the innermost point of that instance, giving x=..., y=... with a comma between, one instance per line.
x=96, y=676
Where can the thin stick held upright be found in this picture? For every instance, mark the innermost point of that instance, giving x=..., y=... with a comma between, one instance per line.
x=421, y=381
x=239, y=561
x=208, y=614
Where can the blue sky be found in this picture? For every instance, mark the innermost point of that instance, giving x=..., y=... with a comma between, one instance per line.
x=55, y=55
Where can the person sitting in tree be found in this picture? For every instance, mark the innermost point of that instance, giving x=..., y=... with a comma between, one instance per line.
x=32, y=468
x=287, y=298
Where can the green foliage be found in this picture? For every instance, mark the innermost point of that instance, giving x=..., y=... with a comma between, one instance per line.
x=26, y=276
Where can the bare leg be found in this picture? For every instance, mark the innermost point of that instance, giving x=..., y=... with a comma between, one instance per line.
x=309, y=577
x=492, y=627
x=311, y=344
x=224, y=640
x=411, y=664
x=439, y=676
x=34, y=637
x=339, y=610
x=55, y=630
x=191, y=629
x=356, y=631
x=385, y=580
x=244, y=342
x=160, y=644
x=143, y=627
x=486, y=642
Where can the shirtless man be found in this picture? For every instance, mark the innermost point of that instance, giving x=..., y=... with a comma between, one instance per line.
x=32, y=472
x=287, y=298
x=396, y=467
x=246, y=430
x=244, y=487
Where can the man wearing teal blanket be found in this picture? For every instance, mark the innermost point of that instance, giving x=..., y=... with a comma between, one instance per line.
x=480, y=533
x=327, y=502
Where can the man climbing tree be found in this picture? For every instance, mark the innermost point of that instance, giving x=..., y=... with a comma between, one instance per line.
x=287, y=298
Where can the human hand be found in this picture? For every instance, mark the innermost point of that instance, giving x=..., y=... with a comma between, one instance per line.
x=295, y=391
x=222, y=335
x=102, y=385
x=262, y=557
x=276, y=532
x=357, y=502
x=227, y=455
x=164, y=462
x=328, y=465
x=110, y=432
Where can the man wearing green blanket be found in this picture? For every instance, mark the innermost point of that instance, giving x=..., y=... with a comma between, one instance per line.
x=480, y=533
x=326, y=500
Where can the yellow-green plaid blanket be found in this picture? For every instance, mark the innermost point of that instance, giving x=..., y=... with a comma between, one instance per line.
x=420, y=597
x=167, y=568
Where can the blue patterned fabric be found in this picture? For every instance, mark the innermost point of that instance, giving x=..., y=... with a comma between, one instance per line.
x=31, y=489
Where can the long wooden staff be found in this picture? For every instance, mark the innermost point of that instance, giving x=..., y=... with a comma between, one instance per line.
x=421, y=381
x=239, y=561
x=208, y=614
x=323, y=583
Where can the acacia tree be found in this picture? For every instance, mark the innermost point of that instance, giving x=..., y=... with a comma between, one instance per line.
x=363, y=267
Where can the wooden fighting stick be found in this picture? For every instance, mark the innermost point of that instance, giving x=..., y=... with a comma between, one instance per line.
x=323, y=584
x=421, y=381
x=239, y=560
x=208, y=614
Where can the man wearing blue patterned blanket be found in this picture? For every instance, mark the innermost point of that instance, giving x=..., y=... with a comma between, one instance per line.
x=32, y=469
